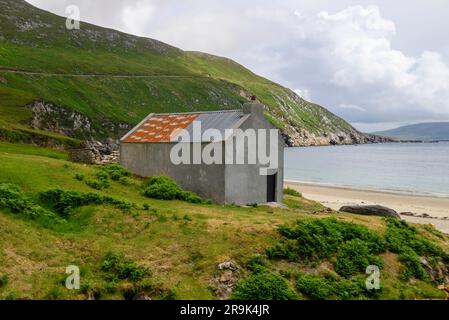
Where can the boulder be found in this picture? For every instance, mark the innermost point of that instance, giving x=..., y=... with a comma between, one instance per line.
x=375, y=210
x=227, y=265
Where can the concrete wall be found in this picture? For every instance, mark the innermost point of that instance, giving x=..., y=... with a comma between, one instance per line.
x=232, y=183
x=243, y=183
x=152, y=159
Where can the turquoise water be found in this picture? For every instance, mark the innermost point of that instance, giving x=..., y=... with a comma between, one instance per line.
x=421, y=168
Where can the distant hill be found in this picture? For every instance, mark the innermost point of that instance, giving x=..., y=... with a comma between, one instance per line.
x=97, y=83
x=420, y=131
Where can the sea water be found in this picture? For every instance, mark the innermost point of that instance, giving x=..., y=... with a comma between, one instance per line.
x=420, y=168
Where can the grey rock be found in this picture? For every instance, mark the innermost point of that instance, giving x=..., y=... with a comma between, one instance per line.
x=374, y=210
x=438, y=272
x=227, y=265
x=142, y=297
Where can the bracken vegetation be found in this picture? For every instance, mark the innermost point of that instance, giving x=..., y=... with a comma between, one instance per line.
x=14, y=200
x=349, y=248
x=165, y=188
x=264, y=285
x=292, y=192
x=63, y=201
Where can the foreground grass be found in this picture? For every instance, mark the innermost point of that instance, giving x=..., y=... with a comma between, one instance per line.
x=180, y=243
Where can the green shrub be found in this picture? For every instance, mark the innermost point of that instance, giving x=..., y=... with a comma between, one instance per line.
x=119, y=268
x=404, y=240
x=13, y=199
x=158, y=180
x=79, y=177
x=292, y=192
x=331, y=287
x=124, y=181
x=351, y=289
x=400, y=235
x=353, y=257
x=413, y=265
x=170, y=295
x=163, y=191
x=63, y=201
x=111, y=287
x=165, y=188
x=4, y=279
x=102, y=175
x=350, y=247
x=53, y=294
x=11, y=296
x=263, y=286
x=257, y=263
x=314, y=287
x=191, y=197
x=313, y=240
x=115, y=171
x=98, y=184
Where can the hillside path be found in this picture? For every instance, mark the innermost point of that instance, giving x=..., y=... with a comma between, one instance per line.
x=97, y=75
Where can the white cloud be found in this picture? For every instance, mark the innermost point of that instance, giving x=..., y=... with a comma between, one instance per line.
x=303, y=93
x=352, y=107
x=359, y=52
x=349, y=57
x=349, y=61
x=136, y=16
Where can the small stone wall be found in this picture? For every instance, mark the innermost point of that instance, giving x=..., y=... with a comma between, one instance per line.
x=92, y=156
x=83, y=156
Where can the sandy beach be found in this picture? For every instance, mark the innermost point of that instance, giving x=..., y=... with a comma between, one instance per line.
x=336, y=197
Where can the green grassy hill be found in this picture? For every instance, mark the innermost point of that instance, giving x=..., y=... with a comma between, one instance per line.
x=55, y=213
x=171, y=249
x=432, y=131
x=115, y=78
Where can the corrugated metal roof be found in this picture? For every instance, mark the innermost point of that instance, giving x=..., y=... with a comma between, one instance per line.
x=163, y=127
x=216, y=120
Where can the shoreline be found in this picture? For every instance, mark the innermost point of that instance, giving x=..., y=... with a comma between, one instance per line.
x=366, y=189
x=334, y=197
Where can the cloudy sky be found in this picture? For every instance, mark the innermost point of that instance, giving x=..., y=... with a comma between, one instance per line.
x=378, y=63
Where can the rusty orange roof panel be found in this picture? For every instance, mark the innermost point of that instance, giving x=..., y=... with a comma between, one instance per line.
x=160, y=127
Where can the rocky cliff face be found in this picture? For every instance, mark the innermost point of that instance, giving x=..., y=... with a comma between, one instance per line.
x=303, y=138
x=103, y=137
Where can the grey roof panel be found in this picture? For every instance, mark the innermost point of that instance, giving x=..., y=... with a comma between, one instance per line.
x=217, y=120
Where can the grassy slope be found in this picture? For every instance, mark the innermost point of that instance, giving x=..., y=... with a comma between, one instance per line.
x=201, y=82
x=420, y=131
x=182, y=243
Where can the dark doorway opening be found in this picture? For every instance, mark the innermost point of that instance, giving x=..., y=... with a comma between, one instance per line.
x=271, y=188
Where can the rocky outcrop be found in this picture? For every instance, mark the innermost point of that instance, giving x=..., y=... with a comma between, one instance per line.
x=438, y=272
x=52, y=118
x=303, y=138
x=225, y=279
x=371, y=211
x=101, y=144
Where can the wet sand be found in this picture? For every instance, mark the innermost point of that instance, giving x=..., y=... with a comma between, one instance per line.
x=335, y=197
